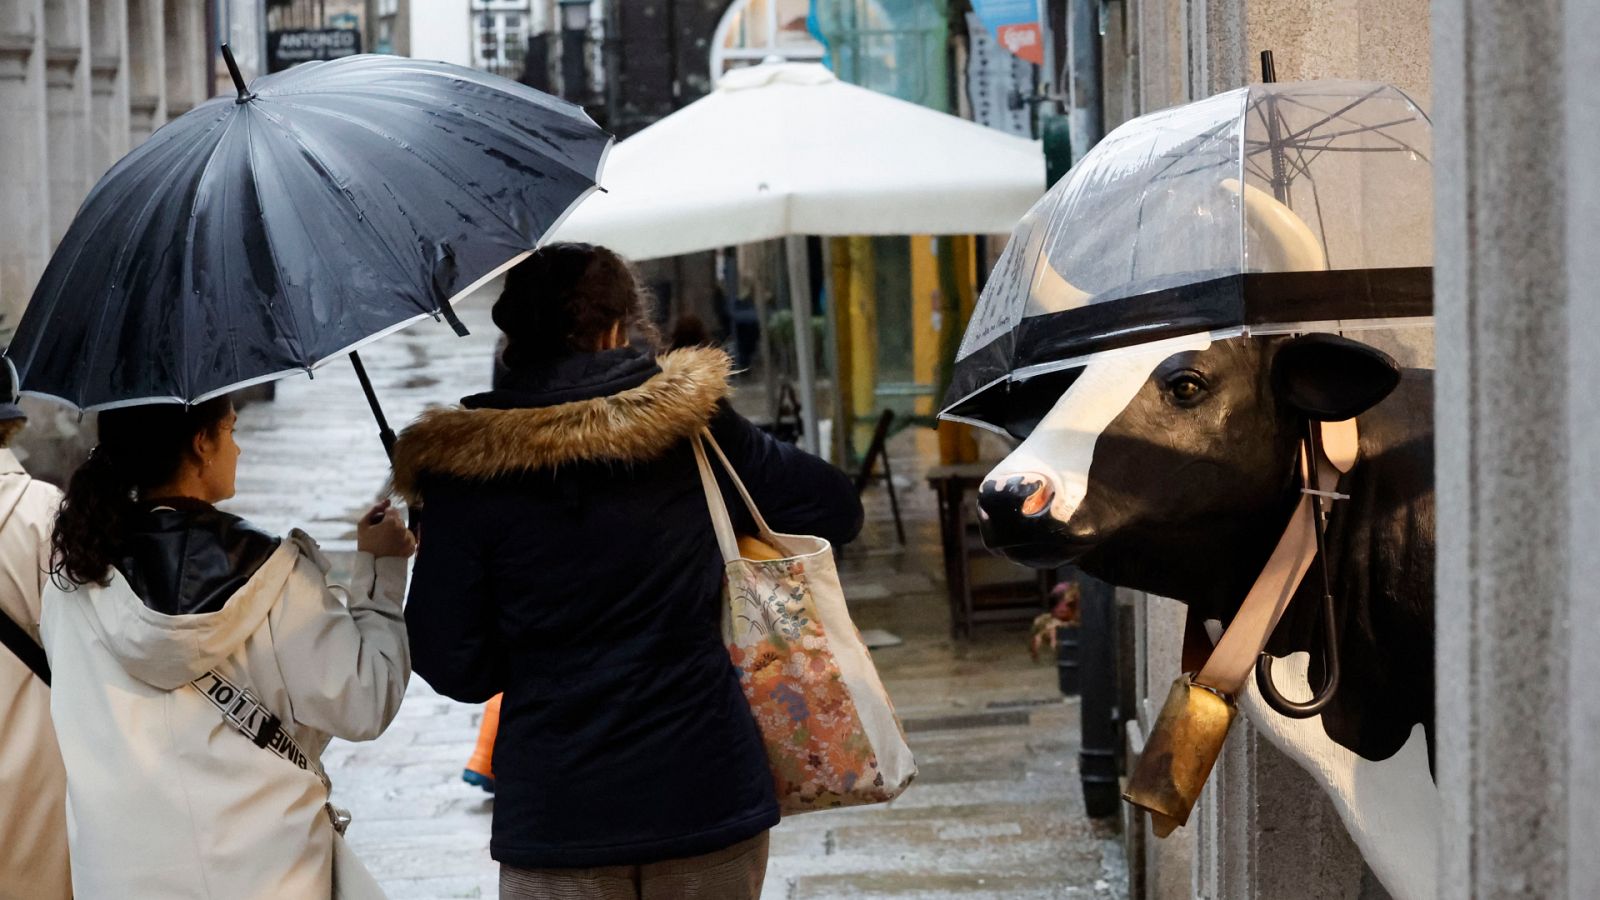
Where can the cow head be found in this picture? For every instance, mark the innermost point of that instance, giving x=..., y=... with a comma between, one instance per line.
x=1171, y=468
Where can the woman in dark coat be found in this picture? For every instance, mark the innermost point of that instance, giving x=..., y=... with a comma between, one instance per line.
x=568, y=560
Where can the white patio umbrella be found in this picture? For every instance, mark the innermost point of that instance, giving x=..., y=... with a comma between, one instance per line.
x=787, y=150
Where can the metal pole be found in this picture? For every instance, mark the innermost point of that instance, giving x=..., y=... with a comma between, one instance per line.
x=794, y=251
x=1085, y=113
x=1097, y=660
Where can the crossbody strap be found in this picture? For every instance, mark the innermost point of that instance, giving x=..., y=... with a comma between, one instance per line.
x=251, y=718
x=18, y=641
x=15, y=637
x=721, y=522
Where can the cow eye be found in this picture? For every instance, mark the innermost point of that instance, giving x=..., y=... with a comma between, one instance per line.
x=1187, y=387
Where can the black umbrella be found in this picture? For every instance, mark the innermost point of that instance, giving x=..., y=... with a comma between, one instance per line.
x=324, y=207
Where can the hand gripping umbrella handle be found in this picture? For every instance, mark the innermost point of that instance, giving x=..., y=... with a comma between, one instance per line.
x=385, y=433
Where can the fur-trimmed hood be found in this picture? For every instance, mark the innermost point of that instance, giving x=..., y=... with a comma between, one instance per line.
x=635, y=425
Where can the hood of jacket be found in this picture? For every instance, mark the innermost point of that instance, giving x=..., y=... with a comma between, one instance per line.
x=617, y=406
x=184, y=556
x=165, y=648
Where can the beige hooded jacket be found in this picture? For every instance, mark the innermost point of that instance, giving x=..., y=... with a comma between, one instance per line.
x=33, y=824
x=164, y=799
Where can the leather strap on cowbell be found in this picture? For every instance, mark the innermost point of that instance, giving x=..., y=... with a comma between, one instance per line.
x=1234, y=658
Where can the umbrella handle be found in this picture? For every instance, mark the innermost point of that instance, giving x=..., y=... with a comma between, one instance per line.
x=385, y=433
x=238, y=80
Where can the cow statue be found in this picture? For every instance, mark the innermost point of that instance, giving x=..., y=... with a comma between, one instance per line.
x=1173, y=469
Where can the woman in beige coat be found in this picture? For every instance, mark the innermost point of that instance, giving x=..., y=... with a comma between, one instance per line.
x=164, y=609
x=33, y=787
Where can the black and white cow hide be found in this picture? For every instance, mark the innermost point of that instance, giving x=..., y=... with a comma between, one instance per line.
x=1171, y=469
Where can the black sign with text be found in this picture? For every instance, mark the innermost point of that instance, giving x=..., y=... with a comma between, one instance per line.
x=298, y=45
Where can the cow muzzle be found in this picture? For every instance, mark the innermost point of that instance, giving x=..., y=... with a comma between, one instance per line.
x=1014, y=516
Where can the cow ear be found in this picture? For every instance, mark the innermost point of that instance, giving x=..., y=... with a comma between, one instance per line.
x=1331, y=378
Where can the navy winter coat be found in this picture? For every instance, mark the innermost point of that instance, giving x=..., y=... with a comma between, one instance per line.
x=567, y=560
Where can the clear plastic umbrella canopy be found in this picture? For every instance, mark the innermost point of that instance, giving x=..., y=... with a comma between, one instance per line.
x=1270, y=209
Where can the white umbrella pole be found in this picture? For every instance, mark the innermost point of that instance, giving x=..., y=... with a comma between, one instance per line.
x=794, y=247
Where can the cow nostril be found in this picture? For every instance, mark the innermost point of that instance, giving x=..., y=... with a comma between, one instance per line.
x=1038, y=501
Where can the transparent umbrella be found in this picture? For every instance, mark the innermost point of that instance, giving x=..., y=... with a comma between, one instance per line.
x=1269, y=209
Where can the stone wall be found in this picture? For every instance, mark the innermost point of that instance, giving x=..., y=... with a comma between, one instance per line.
x=81, y=83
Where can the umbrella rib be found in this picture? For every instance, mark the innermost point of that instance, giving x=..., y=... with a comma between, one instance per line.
x=1322, y=227
x=399, y=65
x=408, y=148
x=1329, y=117
x=518, y=136
x=361, y=214
x=1182, y=150
x=543, y=146
x=122, y=253
x=1324, y=139
x=187, y=389
x=266, y=233
x=1360, y=129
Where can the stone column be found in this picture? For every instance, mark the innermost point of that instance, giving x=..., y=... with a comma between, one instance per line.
x=108, y=110
x=247, y=36
x=1581, y=52
x=1161, y=868
x=185, y=55
x=25, y=241
x=67, y=94
x=1374, y=40
x=1162, y=41
x=147, y=67
x=1518, y=445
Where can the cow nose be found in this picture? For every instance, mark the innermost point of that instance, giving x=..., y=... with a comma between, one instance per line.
x=1026, y=493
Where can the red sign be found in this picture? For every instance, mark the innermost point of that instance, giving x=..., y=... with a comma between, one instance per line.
x=1024, y=41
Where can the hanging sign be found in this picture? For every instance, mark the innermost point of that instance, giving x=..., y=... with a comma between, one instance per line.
x=1015, y=25
x=297, y=45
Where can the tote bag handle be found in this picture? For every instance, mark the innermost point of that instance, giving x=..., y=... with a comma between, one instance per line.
x=721, y=522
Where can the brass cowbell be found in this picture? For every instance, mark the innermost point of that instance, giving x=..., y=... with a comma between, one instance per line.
x=1178, y=756
x=1193, y=725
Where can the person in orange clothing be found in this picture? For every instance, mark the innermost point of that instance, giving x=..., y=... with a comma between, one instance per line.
x=480, y=766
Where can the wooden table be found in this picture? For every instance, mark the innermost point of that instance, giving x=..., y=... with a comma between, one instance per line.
x=983, y=586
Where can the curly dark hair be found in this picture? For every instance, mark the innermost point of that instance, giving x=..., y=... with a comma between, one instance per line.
x=141, y=447
x=564, y=299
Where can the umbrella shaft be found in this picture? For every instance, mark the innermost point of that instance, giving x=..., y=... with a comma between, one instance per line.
x=385, y=433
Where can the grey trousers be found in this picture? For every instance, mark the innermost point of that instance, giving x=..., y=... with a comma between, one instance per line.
x=732, y=873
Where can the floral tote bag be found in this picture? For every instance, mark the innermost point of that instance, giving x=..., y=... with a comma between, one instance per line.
x=831, y=734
